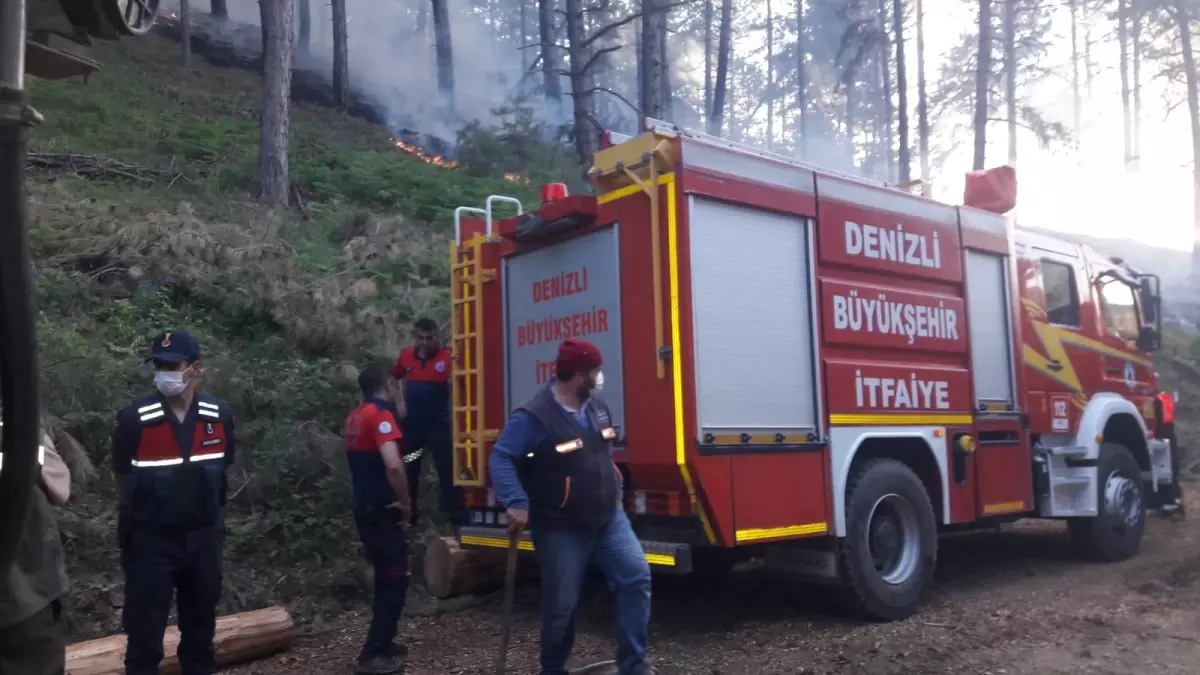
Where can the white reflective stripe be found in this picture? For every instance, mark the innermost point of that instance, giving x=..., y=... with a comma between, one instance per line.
x=569, y=446
x=412, y=456
x=157, y=462
x=41, y=455
x=148, y=408
x=207, y=456
x=151, y=416
x=210, y=406
x=208, y=413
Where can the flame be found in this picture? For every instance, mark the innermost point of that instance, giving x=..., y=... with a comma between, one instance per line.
x=424, y=156
x=447, y=163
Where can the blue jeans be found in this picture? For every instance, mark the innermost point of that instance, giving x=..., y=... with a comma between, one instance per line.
x=563, y=555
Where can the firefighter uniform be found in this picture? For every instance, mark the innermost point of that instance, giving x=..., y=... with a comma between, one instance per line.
x=381, y=528
x=171, y=528
x=427, y=426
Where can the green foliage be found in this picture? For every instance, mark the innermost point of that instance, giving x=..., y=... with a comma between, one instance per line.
x=287, y=306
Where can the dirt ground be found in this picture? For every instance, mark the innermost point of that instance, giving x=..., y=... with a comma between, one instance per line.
x=1013, y=602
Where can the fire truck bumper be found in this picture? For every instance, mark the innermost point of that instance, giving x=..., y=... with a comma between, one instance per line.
x=663, y=556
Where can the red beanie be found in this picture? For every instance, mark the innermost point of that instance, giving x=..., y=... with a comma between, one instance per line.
x=577, y=356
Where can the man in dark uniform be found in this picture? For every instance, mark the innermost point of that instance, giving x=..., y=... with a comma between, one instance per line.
x=381, y=507
x=170, y=452
x=552, y=467
x=33, y=636
x=425, y=370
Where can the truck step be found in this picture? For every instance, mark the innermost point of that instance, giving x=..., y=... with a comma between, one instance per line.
x=663, y=556
x=1070, y=451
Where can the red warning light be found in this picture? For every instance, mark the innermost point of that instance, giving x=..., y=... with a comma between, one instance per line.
x=552, y=192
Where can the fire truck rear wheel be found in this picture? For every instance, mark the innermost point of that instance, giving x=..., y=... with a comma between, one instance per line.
x=888, y=555
x=1116, y=531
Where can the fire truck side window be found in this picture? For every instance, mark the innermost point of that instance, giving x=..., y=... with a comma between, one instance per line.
x=1120, y=310
x=1062, y=297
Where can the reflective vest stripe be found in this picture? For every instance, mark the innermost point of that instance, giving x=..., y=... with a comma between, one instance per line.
x=207, y=456
x=210, y=413
x=146, y=463
x=41, y=457
x=148, y=408
x=210, y=406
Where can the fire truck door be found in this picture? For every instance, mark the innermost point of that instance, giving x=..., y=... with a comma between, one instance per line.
x=1125, y=370
x=1056, y=367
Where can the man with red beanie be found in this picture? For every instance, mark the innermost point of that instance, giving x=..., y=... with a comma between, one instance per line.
x=552, y=468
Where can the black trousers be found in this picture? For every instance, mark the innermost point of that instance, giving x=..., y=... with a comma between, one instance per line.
x=35, y=646
x=160, y=565
x=433, y=439
x=386, y=543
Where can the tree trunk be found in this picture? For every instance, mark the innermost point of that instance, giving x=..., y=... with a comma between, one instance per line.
x=1136, y=37
x=668, y=95
x=582, y=92
x=653, y=20
x=451, y=570
x=305, y=38
x=720, y=87
x=185, y=32
x=770, y=78
x=1123, y=41
x=239, y=638
x=902, y=88
x=550, y=79
x=277, y=83
x=801, y=82
x=524, y=38
x=922, y=93
x=445, y=53
x=422, y=18
x=1088, y=63
x=982, y=79
x=219, y=9
x=1010, y=76
x=1076, y=100
x=708, y=83
x=885, y=78
x=341, y=56
x=1183, y=18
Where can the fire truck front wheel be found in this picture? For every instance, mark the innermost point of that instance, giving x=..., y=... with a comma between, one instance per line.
x=890, y=549
x=1116, y=531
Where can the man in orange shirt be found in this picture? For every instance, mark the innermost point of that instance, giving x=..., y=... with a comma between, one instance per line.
x=381, y=509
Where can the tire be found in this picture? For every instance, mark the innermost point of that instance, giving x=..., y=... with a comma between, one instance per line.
x=1115, y=533
x=886, y=503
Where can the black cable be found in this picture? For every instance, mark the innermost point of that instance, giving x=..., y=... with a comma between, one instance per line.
x=18, y=346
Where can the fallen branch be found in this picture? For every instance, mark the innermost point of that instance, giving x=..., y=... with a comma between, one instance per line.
x=95, y=166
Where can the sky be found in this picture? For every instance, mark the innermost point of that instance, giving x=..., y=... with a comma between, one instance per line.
x=1057, y=191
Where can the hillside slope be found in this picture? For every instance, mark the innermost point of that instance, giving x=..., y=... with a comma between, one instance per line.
x=143, y=218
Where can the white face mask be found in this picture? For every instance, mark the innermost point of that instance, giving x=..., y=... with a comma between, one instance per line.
x=170, y=383
x=599, y=381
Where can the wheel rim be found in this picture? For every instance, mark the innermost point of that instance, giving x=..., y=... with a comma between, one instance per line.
x=894, y=538
x=1122, y=502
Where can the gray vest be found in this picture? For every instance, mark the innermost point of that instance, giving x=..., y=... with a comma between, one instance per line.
x=38, y=575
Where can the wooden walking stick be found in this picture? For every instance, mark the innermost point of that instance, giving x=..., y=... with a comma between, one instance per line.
x=510, y=582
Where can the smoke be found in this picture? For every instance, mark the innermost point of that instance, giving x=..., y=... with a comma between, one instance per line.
x=392, y=61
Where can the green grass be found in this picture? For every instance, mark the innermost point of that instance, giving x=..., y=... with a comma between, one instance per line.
x=287, y=305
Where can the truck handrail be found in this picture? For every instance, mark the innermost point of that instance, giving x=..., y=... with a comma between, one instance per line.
x=500, y=198
x=458, y=221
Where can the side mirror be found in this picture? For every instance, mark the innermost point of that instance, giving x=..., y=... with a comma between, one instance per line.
x=1149, y=339
x=1150, y=300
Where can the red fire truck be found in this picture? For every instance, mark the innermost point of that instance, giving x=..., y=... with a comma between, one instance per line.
x=812, y=369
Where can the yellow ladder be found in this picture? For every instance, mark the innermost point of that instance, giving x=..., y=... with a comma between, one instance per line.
x=467, y=394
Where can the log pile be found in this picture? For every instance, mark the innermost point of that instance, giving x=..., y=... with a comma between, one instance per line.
x=451, y=570
x=240, y=637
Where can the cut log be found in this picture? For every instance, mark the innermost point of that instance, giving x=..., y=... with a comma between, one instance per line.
x=451, y=570
x=240, y=637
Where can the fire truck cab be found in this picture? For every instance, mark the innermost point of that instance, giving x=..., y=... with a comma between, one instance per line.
x=810, y=368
